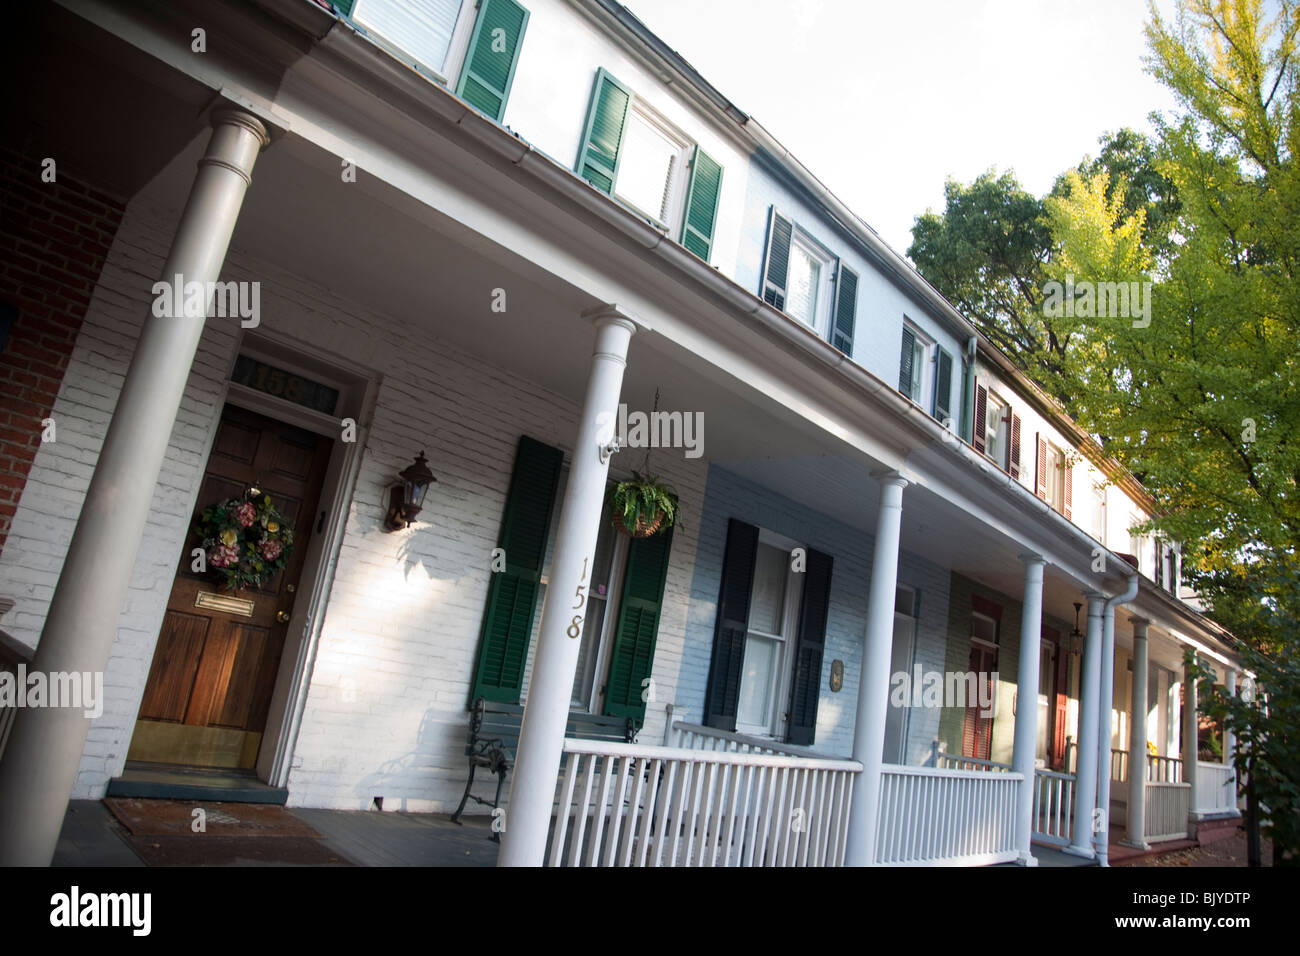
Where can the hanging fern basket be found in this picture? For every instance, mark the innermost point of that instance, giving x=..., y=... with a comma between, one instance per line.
x=642, y=507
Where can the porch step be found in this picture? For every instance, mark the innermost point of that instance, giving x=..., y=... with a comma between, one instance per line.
x=155, y=782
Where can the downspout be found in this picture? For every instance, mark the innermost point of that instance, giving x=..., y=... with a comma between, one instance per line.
x=1106, y=702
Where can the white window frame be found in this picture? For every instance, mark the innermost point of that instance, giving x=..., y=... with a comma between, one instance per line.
x=825, y=282
x=680, y=176
x=1001, y=430
x=457, y=44
x=1056, y=465
x=778, y=718
x=922, y=390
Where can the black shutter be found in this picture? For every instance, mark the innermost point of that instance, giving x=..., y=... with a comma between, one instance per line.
x=723, y=691
x=776, y=264
x=905, y=363
x=805, y=691
x=846, y=310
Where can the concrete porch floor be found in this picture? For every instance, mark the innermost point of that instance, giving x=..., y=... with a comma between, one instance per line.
x=92, y=837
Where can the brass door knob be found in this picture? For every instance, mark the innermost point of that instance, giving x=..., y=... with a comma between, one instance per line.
x=282, y=617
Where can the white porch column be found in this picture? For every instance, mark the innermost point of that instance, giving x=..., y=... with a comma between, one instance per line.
x=1026, y=734
x=541, y=737
x=1190, y=733
x=873, y=684
x=1137, y=740
x=40, y=764
x=1105, y=729
x=1089, y=705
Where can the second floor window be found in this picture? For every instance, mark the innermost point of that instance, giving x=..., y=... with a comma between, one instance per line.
x=430, y=31
x=806, y=282
x=635, y=155
x=651, y=174
x=995, y=430
x=914, y=364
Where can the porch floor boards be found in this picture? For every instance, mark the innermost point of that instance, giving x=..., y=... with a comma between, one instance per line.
x=92, y=837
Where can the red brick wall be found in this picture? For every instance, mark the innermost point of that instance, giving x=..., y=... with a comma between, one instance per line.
x=54, y=238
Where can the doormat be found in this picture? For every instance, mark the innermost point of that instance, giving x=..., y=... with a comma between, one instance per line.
x=163, y=833
x=209, y=850
x=178, y=818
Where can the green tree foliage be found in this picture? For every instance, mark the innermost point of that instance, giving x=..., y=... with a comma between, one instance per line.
x=1204, y=403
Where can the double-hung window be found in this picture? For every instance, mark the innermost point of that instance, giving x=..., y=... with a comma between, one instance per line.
x=636, y=155
x=773, y=607
x=773, y=615
x=430, y=33
x=809, y=284
x=444, y=38
x=996, y=431
x=914, y=367
x=652, y=172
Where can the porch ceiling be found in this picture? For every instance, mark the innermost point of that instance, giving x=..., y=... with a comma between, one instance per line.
x=106, y=113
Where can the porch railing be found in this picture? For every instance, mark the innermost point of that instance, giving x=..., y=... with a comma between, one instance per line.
x=947, y=761
x=1166, y=811
x=933, y=816
x=1216, y=787
x=699, y=737
x=633, y=805
x=1053, y=806
x=1159, y=769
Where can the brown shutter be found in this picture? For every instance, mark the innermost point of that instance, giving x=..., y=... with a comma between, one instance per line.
x=1068, y=497
x=981, y=413
x=1040, y=467
x=1013, y=447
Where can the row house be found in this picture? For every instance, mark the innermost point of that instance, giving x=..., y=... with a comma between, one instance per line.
x=460, y=266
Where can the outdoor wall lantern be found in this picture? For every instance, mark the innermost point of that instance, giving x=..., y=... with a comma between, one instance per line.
x=1076, y=636
x=406, y=500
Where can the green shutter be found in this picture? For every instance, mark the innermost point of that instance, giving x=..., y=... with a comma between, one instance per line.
x=512, y=593
x=603, y=133
x=702, y=204
x=493, y=52
x=776, y=264
x=344, y=7
x=846, y=310
x=632, y=657
x=943, y=385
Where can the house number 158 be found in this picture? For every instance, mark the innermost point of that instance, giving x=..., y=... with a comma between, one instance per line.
x=574, y=629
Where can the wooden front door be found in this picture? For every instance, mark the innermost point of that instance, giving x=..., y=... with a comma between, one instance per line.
x=214, y=668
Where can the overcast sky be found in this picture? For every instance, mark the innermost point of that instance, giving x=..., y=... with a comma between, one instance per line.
x=885, y=100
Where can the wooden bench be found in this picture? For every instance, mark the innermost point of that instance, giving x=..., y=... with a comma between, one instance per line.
x=494, y=737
